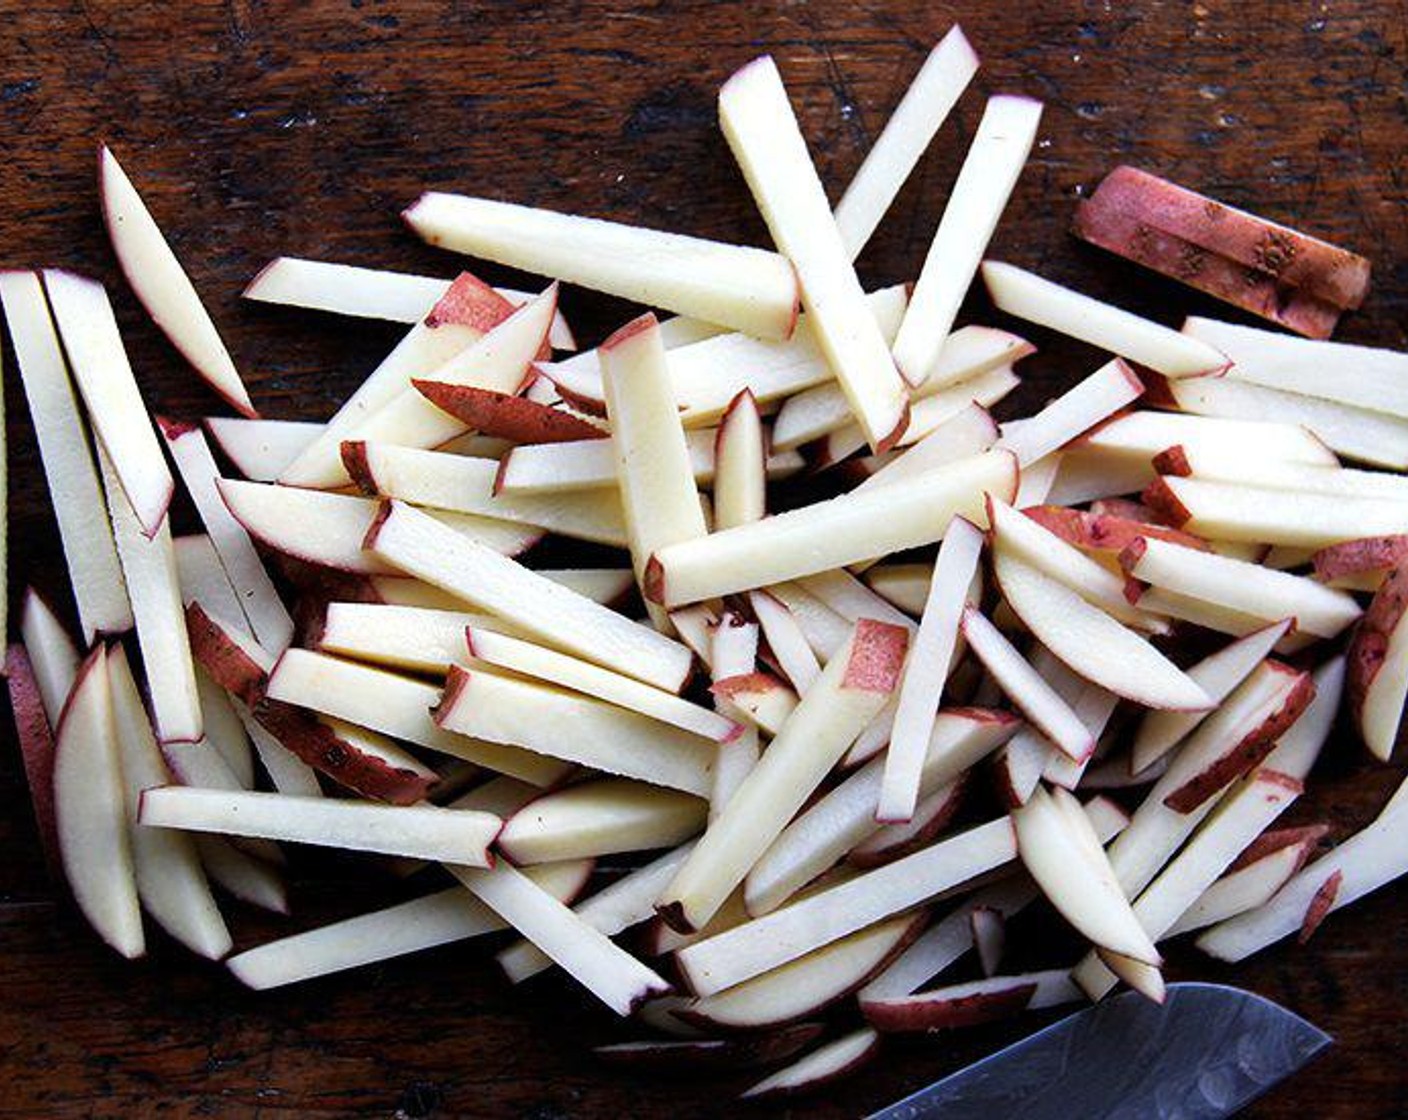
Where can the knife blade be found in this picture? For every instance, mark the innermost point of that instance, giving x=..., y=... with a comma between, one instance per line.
x=1207, y=1052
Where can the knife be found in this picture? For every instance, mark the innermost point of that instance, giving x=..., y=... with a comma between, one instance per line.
x=1203, y=1054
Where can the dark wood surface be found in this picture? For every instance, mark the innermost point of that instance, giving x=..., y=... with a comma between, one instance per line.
x=255, y=129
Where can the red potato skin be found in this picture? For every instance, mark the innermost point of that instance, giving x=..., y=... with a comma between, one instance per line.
x=456, y=684
x=1296, y=260
x=1106, y=532
x=321, y=748
x=739, y=687
x=934, y=1011
x=1273, y=271
x=1269, y=843
x=1180, y=259
x=507, y=417
x=1291, y=258
x=383, y=512
x=1006, y=788
x=1369, y=646
x=1173, y=460
x=653, y=584
x=1248, y=751
x=220, y=656
x=469, y=302
x=358, y=466
x=1160, y=496
x=877, y=656
x=888, y=442
x=172, y=430
x=636, y=327
x=704, y=1057
x=36, y=751
x=1351, y=558
x=1132, y=553
x=1320, y=906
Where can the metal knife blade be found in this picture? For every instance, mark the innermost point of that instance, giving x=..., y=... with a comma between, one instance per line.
x=1208, y=1051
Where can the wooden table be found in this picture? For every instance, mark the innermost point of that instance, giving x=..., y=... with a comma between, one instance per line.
x=255, y=129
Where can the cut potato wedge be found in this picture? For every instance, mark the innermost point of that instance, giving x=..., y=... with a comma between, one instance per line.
x=1161, y=348
x=758, y=123
x=162, y=285
x=747, y=289
x=829, y=534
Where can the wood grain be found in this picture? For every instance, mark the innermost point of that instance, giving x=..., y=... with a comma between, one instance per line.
x=257, y=128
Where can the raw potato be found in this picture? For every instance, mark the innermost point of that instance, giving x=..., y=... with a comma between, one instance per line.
x=598, y=819
x=329, y=529
x=848, y=694
x=149, y=567
x=919, y=115
x=90, y=808
x=368, y=293
x=340, y=758
x=1161, y=348
x=758, y=123
x=69, y=469
x=967, y=354
x=1000, y=148
x=747, y=289
x=36, y=740
x=162, y=284
x=845, y=819
x=500, y=360
x=464, y=485
x=1092, y=643
x=394, y=705
x=420, y=831
x=765, y=943
x=420, y=546
x=423, y=923
x=807, y=985
x=551, y=723
x=658, y=497
x=966, y=1005
x=506, y=417
x=1270, y=270
x=170, y=882
x=115, y=408
x=468, y=309
x=838, y=1058
x=423, y=684
x=1378, y=665
x=830, y=534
